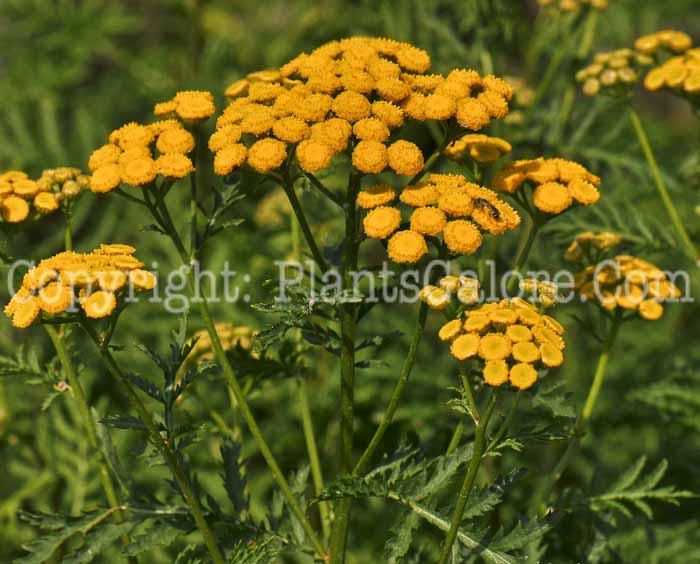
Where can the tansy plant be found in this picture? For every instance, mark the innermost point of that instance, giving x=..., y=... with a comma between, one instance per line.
x=350, y=108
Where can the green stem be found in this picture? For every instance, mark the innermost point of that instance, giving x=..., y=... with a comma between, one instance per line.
x=315, y=462
x=661, y=187
x=469, y=479
x=235, y=387
x=306, y=230
x=68, y=234
x=89, y=423
x=468, y=394
x=348, y=326
x=456, y=437
x=162, y=446
x=397, y=394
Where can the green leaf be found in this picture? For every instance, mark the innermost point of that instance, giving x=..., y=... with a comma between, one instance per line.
x=399, y=542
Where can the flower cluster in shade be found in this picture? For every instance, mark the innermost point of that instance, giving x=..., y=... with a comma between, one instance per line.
x=589, y=245
x=479, y=147
x=511, y=340
x=627, y=283
x=613, y=69
x=616, y=71
x=443, y=205
x=558, y=183
x=353, y=94
x=96, y=281
x=19, y=194
x=573, y=5
x=129, y=156
x=231, y=336
x=464, y=288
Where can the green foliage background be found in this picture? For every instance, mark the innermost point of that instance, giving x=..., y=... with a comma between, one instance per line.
x=71, y=71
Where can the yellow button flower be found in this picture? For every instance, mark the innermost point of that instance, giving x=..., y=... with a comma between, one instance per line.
x=374, y=196
x=495, y=372
x=99, y=304
x=381, y=222
x=313, y=155
x=523, y=376
x=229, y=158
x=407, y=247
x=405, y=158
x=139, y=171
x=14, y=209
x=428, y=221
x=465, y=346
x=267, y=154
x=175, y=140
x=462, y=236
x=174, y=165
x=370, y=157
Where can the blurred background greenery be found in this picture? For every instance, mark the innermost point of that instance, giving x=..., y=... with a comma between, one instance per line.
x=71, y=71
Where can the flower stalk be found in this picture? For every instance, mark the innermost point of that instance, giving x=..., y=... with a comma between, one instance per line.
x=469, y=480
x=671, y=210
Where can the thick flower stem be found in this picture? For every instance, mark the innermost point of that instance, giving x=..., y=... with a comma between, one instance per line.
x=469, y=479
x=163, y=213
x=163, y=448
x=671, y=210
x=89, y=423
x=583, y=418
x=397, y=394
x=348, y=326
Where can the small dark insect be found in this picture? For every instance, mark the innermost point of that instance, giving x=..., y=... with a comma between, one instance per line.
x=488, y=205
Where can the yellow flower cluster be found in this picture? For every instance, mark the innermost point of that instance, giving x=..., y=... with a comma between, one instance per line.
x=444, y=204
x=351, y=92
x=612, y=68
x=465, y=288
x=230, y=335
x=191, y=106
x=128, y=157
x=680, y=74
x=19, y=193
x=629, y=283
x=511, y=338
x=479, y=147
x=667, y=39
x=559, y=183
x=574, y=5
x=585, y=244
x=95, y=280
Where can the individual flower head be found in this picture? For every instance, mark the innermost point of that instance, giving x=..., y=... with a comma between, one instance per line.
x=480, y=148
x=509, y=340
x=627, y=283
x=55, y=189
x=98, y=281
x=137, y=154
x=558, y=184
x=351, y=94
